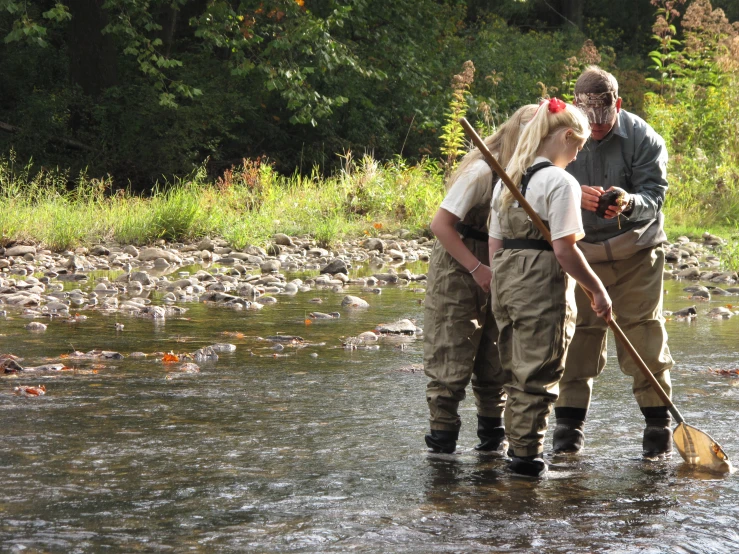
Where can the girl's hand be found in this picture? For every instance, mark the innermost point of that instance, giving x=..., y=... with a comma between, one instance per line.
x=483, y=276
x=601, y=304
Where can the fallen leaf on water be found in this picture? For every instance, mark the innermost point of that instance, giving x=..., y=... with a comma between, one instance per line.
x=724, y=371
x=170, y=358
x=308, y=322
x=30, y=391
x=235, y=334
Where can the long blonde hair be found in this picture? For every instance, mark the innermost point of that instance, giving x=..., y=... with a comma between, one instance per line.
x=502, y=143
x=542, y=127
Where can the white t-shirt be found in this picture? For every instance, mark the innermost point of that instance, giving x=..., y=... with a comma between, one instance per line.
x=555, y=195
x=471, y=188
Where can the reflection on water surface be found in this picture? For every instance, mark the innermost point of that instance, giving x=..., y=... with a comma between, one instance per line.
x=321, y=454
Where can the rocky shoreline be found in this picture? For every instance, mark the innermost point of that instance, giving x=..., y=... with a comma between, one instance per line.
x=45, y=286
x=42, y=284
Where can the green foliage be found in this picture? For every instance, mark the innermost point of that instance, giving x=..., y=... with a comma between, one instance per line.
x=246, y=206
x=729, y=255
x=452, y=134
x=297, y=81
x=698, y=116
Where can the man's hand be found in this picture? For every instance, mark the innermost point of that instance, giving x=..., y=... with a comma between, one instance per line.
x=590, y=196
x=622, y=201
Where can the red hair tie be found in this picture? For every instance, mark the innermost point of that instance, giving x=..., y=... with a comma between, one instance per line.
x=556, y=105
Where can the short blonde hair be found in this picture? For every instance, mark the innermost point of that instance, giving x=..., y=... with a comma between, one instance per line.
x=502, y=143
x=541, y=128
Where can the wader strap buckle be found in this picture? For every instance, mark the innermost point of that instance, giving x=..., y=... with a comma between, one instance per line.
x=468, y=231
x=526, y=244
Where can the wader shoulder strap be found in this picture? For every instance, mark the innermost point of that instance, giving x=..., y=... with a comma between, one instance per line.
x=530, y=173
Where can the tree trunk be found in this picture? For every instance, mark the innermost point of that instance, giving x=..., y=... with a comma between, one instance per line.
x=573, y=10
x=92, y=55
x=169, y=25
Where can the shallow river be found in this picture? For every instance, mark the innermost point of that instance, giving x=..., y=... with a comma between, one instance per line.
x=325, y=454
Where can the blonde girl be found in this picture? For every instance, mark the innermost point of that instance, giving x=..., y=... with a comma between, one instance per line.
x=459, y=330
x=533, y=297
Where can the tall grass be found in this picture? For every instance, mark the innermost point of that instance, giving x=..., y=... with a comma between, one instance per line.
x=247, y=205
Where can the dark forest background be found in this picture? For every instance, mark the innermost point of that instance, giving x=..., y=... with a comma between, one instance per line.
x=145, y=90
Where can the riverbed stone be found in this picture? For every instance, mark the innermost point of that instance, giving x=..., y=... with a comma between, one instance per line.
x=354, y=302
x=282, y=240
x=20, y=250
x=689, y=273
x=270, y=265
x=141, y=277
x=373, y=243
x=400, y=327
x=337, y=265
x=151, y=254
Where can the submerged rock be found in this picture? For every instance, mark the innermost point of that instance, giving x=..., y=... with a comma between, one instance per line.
x=401, y=327
x=354, y=302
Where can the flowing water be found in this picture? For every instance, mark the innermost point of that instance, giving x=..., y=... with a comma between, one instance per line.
x=297, y=453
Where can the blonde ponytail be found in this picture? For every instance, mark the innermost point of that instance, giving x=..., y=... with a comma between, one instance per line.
x=502, y=143
x=545, y=124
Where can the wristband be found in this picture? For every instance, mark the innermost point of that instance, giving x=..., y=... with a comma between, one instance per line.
x=478, y=265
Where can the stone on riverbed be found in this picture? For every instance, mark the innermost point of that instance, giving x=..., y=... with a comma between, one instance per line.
x=401, y=327
x=189, y=368
x=205, y=354
x=689, y=273
x=223, y=347
x=282, y=240
x=20, y=250
x=151, y=254
x=321, y=315
x=720, y=313
x=690, y=311
x=354, y=302
x=270, y=266
x=337, y=265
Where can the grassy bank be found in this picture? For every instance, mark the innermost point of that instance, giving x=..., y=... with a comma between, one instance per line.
x=252, y=202
x=246, y=206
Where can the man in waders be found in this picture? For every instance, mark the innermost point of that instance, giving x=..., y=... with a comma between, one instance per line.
x=623, y=246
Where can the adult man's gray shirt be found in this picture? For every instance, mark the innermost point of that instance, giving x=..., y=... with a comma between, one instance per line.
x=633, y=157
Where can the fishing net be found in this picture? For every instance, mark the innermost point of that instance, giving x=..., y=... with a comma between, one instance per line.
x=699, y=449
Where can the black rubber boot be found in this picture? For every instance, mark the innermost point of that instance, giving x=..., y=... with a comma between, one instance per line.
x=442, y=442
x=492, y=435
x=657, y=441
x=531, y=466
x=568, y=436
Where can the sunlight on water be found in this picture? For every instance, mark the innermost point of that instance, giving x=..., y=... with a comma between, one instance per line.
x=314, y=454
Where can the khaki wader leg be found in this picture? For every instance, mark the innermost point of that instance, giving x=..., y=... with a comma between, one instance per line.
x=459, y=342
x=635, y=286
x=533, y=306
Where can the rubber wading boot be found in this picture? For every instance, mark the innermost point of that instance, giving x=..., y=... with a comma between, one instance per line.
x=492, y=435
x=531, y=466
x=568, y=437
x=442, y=442
x=657, y=441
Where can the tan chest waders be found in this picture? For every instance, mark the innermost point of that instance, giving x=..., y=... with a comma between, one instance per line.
x=460, y=338
x=534, y=305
